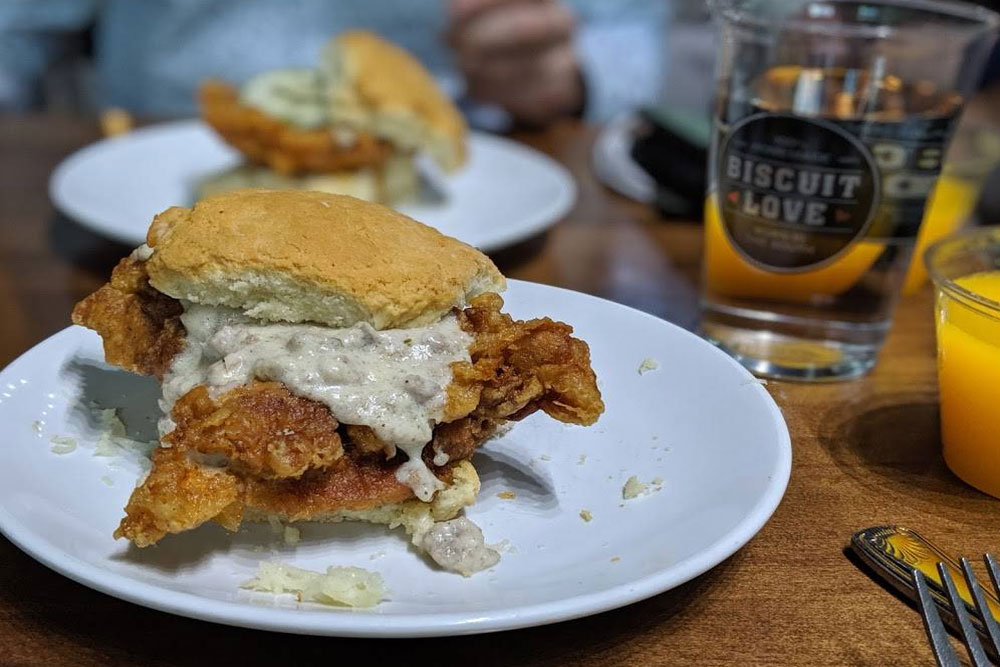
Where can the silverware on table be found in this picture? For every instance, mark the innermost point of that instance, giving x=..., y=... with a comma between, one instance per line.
x=944, y=589
x=970, y=634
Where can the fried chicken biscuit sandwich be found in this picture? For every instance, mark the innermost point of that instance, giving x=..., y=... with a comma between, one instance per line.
x=323, y=358
x=350, y=126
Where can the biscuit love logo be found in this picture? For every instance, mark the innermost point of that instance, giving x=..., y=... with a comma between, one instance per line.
x=797, y=191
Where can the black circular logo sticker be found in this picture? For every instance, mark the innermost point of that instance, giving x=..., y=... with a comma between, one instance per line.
x=794, y=192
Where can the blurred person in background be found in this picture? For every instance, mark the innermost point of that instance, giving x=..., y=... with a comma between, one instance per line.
x=530, y=61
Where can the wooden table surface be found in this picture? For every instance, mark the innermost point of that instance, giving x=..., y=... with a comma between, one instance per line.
x=865, y=452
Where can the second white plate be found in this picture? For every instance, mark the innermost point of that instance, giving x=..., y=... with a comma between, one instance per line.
x=505, y=193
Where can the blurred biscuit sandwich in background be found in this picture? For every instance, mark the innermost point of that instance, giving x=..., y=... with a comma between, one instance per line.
x=353, y=125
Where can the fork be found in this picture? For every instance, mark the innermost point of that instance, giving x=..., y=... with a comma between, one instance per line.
x=989, y=630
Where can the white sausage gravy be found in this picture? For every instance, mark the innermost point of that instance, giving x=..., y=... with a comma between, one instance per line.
x=393, y=381
x=458, y=545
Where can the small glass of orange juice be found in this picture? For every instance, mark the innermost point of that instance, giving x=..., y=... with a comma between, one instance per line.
x=966, y=272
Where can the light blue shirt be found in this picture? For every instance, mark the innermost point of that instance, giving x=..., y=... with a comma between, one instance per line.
x=150, y=55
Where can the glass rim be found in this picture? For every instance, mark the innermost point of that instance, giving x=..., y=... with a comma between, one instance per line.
x=981, y=19
x=948, y=285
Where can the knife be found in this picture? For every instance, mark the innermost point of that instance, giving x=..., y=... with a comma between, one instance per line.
x=894, y=552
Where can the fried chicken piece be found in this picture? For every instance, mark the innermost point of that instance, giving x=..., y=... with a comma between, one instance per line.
x=363, y=440
x=460, y=439
x=519, y=367
x=140, y=327
x=178, y=495
x=221, y=452
x=262, y=430
x=350, y=484
x=283, y=457
x=287, y=149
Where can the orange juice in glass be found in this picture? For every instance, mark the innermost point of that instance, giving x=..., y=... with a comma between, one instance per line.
x=826, y=144
x=966, y=272
x=973, y=153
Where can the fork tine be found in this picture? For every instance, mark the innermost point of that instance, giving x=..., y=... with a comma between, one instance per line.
x=989, y=622
x=993, y=570
x=976, y=653
x=992, y=627
x=943, y=652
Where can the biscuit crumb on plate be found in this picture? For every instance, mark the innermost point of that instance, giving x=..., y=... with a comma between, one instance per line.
x=338, y=586
x=506, y=495
x=648, y=364
x=633, y=488
x=62, y=444
x=586, y=515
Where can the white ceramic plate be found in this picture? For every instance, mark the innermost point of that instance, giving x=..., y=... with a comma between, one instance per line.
x=505, y=193
x=699, y=422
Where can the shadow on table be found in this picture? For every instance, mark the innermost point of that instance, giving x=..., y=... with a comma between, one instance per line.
x=894, y=447
x=84, y=628
x=876, y=578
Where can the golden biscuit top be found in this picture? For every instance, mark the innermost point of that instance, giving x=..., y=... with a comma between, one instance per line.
x=309, y=256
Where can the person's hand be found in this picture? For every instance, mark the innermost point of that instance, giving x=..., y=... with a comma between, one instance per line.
x=518, y=54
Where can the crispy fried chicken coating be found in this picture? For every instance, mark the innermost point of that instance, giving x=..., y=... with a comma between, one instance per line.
x=276, y=454
x=459, y=439
x=519, y=367
x=287, y=149
x=140, y=327
x=179, y=494
x=352, y=483
x=262, y=430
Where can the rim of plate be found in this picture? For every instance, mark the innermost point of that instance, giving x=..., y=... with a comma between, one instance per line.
x=359, y=623
x=79, y=215
x=544, y=217
x=498, y=238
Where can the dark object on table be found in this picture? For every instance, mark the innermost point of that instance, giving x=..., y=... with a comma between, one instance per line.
x=672, y=147
x=895, y=553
